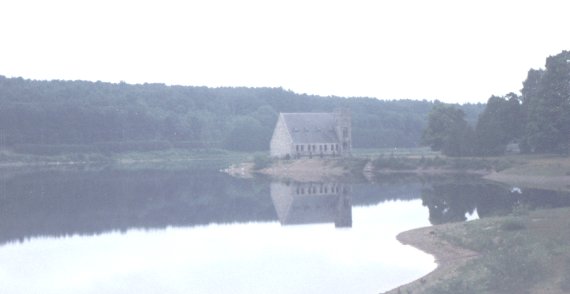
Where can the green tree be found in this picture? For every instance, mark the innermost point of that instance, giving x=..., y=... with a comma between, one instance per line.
x=246, y=134
x=546, y=103
x=448, y=132
x=500, y=123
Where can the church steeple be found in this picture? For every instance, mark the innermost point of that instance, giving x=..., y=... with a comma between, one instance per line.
x=344, y=129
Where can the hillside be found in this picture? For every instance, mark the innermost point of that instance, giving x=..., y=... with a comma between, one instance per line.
x=51, y=117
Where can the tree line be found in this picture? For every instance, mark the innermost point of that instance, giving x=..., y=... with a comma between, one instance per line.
x=537, y=121
x=82, y=116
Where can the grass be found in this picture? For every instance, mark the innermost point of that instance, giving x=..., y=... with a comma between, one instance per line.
x=422, y=158
x=355, y=164
x=182, y=159
x=540, y=165
x=161, y=159
x=11, y=159
x=536, y=171
x=384, y=160
x=403, y=163
x=525, y=253
x=398, y=152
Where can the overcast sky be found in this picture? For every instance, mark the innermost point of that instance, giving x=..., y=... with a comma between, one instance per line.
x=454, y=51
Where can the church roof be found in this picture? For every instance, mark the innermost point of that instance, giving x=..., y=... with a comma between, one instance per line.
x=311, y=127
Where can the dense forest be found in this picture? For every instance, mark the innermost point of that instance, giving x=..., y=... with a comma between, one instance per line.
x=538, y=121
x=81, y=116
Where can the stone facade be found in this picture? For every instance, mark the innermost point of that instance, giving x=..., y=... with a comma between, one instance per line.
x=312, y=135
x=281, y=141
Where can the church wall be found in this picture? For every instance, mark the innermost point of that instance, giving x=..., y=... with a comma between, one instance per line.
x=281, y=143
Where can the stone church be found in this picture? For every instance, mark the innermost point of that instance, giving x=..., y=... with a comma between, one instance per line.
x=310, y=135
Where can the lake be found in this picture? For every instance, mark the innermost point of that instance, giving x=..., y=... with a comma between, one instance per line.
x=201, y=231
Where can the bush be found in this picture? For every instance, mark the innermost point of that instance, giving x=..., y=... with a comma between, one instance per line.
x=261, y=161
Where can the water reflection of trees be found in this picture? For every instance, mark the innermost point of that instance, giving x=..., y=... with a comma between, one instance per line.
x=66, y=203
x=61, y=203
x=452, y=199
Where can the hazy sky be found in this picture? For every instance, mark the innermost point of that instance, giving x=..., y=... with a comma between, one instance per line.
x=455, y=51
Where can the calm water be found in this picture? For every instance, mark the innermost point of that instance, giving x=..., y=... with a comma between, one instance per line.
x=205, y=232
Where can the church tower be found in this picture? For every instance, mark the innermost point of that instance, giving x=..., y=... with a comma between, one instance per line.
x=344, y=130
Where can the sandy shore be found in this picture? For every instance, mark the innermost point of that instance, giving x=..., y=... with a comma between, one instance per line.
x=448, y=257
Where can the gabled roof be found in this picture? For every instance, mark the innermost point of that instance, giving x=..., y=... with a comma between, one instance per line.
x=311, y=127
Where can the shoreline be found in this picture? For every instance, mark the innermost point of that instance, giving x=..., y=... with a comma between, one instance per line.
x=449, y=258
x=536, y=171
x=556, y=183
x=522, y=253
x=300, y=170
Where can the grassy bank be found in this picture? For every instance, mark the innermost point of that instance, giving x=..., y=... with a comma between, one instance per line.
x=162, y=159
x=181, y=159
x=372, y=153
x=429, y=164
x=540, y=171
x=527, y=252
x=545, y=171
x=537, y=171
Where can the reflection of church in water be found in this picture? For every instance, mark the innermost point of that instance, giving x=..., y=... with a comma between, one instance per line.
x=312, y=203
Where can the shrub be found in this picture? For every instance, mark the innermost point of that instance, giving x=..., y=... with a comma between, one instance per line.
x=261, y=161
